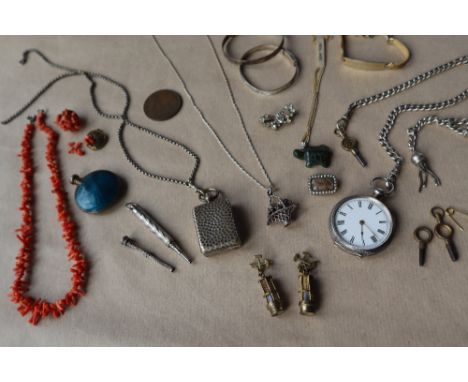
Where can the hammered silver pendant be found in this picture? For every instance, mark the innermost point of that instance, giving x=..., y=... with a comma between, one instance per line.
x=215, y=226
x=280, y=211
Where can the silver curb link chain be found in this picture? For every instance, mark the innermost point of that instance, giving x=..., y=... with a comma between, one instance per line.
x=92, y=77
x=457, y=125
x=343, y=122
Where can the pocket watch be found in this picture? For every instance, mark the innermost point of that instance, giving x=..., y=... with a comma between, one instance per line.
x=362, y=225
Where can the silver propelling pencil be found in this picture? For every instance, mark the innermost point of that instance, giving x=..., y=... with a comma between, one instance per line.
x=132, y=244
x=154, y=227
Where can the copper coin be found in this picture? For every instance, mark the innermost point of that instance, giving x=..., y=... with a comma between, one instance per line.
x=162, y=105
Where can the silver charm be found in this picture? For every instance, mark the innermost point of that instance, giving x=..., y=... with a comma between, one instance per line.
x=280, y=210
x=456, y=125
x=420, y=161
x=283, y=117
x=323, y=184
x=215, y=225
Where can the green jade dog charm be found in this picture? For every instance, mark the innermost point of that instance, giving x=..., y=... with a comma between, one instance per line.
x=314, y=155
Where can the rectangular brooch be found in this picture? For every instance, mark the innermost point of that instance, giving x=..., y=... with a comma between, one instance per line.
x=323, y=184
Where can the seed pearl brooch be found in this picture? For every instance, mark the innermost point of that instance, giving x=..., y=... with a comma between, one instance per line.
x=323, y=184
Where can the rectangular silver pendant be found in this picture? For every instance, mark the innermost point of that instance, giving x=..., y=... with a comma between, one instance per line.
x=215, y=226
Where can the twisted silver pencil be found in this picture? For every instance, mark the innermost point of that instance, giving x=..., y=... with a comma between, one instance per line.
x=154, y=227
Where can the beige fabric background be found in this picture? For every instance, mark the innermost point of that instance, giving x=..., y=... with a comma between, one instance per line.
x=384, y=300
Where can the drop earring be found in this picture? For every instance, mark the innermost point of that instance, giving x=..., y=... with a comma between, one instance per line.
x=308, y=303
x=273, y=300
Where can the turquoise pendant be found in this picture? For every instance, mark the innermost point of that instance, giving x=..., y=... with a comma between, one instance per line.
x=97, y=191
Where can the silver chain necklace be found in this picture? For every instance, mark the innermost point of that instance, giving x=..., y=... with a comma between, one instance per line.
x=210, y=127
x=342, y=124
x=279, y=210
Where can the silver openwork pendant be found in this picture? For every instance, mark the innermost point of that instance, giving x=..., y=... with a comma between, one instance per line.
x=280, y=211
x=215, y=225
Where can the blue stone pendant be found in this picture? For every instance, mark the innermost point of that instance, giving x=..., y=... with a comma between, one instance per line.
x=97, y=191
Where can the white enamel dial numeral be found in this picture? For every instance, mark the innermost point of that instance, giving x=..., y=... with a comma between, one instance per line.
x=362, y=223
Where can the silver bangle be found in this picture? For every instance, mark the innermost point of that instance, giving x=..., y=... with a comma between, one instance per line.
x=227, y=41
x=289, y=56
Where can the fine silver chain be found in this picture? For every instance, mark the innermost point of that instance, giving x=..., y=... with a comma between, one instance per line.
x=342, y=124
x=270, y=185
x=92, y=77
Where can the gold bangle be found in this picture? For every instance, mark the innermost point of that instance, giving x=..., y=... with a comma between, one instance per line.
x=376, y=65
x=244, y=61
x=287, y=53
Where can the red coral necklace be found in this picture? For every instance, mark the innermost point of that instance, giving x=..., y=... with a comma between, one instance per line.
x=37, y=307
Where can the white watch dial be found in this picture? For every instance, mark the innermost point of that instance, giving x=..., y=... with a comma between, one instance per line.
x=362, y=223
